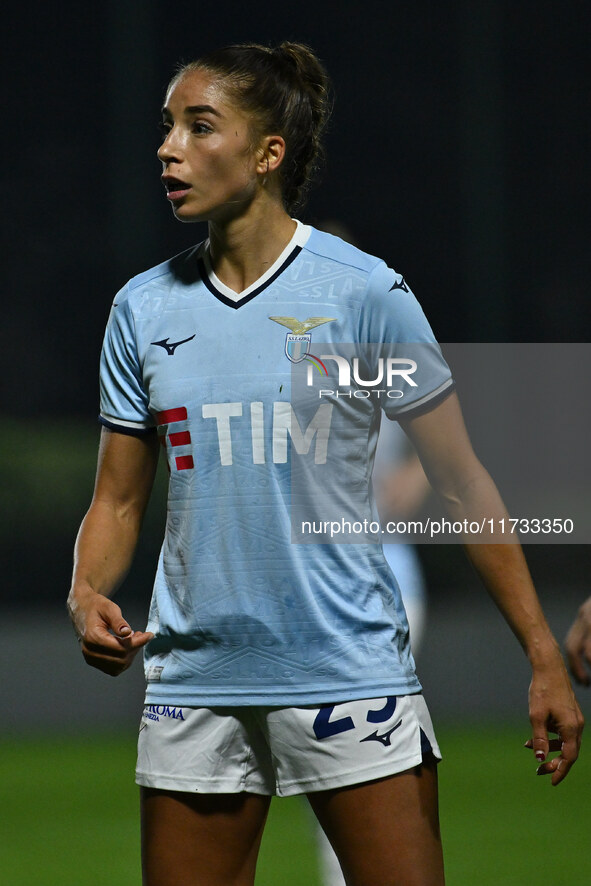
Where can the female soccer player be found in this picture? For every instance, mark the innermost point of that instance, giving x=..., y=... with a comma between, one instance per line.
x=276, y=667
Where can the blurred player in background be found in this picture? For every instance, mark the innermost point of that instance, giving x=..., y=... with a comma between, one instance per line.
x=401, y=488
x=578, y=644
x=275, y=667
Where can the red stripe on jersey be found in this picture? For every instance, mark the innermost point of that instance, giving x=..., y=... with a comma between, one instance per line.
x=170, y=415
x=184, y=462
x=179, y=439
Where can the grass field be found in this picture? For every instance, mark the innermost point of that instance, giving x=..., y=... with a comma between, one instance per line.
x=69, y=817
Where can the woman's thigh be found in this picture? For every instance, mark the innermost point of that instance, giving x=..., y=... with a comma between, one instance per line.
x=386, y=831
x=201, y=839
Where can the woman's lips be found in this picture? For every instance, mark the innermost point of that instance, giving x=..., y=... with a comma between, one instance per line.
x=178, y=194
x=175, y=188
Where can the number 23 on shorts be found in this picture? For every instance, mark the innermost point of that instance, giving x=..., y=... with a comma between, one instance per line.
x=324, y=727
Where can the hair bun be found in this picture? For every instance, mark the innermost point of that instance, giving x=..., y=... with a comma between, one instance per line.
x=304, y=61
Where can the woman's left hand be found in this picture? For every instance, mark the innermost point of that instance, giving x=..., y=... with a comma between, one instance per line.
x=553, y=709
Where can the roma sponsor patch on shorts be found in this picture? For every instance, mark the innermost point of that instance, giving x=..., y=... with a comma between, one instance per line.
x=156, y=711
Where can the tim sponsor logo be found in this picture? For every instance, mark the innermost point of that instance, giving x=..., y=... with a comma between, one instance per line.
x=278, y=420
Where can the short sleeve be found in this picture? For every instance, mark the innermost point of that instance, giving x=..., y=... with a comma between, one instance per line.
x=392, y=318
x=123, y=400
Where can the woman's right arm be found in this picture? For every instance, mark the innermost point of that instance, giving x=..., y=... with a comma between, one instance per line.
x=105, y=546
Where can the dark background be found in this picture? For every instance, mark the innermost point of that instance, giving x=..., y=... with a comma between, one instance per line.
x=458, y=151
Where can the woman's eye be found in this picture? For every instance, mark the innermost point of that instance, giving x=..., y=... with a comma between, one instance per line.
x=164, y=128
x=200, y=128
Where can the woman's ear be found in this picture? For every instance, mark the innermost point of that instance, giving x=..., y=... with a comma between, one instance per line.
x=271, y=153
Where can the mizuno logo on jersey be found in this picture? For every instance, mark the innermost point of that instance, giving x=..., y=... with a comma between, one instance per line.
x=171, y=346
x=297, y=343
x=400, y=284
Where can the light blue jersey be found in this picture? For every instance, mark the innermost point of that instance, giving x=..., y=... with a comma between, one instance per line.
x=241, y=615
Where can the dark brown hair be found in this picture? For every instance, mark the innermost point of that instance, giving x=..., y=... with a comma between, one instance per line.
x=286, y=91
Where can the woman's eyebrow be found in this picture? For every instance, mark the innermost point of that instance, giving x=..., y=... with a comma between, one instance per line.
x=194, y=109
x=202, y=109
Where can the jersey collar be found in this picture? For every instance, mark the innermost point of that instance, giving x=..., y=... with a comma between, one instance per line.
x=236, y=299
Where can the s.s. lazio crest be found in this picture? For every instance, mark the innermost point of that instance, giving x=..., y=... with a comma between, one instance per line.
x=297, y=342
x=297, y=346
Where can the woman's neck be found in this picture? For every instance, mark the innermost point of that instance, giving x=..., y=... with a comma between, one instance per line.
x=242, y=250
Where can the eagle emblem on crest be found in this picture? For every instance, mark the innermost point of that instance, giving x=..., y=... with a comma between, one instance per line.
x=300, y=327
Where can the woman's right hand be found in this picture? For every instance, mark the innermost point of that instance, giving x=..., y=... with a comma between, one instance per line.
x=107, y=640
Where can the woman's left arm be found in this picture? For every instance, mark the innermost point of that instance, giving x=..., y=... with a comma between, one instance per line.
x=468, y=493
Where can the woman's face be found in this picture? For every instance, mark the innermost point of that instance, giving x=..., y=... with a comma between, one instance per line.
x=210, y=168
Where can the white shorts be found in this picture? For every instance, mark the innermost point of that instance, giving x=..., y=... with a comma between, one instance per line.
x=283, y=751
